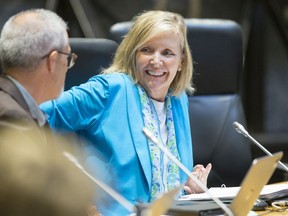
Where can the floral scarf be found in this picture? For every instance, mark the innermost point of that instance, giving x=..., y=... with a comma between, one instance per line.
x=151, y=122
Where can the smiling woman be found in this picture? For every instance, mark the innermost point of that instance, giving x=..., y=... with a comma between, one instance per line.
x=158, y=61
x=161, y=27
x=145, y=86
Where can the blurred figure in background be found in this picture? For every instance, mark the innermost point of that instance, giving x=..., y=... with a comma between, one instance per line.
x=38, y=180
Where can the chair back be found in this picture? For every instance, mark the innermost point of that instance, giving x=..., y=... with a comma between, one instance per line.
x=93, y=55
x=216, y=47
x=119, y=30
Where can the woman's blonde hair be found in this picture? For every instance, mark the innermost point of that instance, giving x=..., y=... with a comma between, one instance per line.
x=145, y=26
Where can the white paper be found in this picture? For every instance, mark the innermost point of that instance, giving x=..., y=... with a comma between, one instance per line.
x=231, y=192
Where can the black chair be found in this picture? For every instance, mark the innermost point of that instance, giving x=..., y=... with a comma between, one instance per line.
x=218, y=63
x=216, y=47
x=93, y=55
x=119, y=30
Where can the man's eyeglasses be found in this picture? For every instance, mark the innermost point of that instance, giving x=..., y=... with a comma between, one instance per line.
x=71, y=57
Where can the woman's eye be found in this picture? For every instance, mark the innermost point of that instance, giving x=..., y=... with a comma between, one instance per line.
x=168, y=52
x=145, y=49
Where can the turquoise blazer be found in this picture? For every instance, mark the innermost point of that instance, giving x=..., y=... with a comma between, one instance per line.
x=106, y=112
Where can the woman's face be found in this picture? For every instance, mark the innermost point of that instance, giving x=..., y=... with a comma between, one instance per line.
x=157, y=62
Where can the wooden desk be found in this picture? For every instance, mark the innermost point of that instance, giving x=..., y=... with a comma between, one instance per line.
x=273, y=213
x=270, y=211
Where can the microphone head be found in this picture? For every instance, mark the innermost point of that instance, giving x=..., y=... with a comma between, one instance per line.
x=240, y=129
x=236, y=125
x=72, y=159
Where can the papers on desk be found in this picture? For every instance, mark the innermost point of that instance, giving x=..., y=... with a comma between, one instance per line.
x=274, y=192
x=269, y=192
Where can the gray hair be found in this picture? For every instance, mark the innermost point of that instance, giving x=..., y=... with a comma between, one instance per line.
x=23, y=43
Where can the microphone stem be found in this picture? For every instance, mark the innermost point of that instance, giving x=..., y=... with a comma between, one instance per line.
x=125, y=203
x=187, y=172
x=265, y=150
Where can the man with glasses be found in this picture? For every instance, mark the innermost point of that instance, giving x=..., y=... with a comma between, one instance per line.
x=35, y=55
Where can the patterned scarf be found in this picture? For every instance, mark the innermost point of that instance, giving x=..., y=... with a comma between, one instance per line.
x=151, y=122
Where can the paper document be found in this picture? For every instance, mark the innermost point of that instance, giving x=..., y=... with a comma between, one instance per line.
x=268, y=192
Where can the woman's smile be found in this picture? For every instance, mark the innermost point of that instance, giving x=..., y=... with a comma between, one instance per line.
x=154, y=73
x=157, y=62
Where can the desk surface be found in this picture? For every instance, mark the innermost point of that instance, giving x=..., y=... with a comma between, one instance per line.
x=271, y=213
x=186, y=205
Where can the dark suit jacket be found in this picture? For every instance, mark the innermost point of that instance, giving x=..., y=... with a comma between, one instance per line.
x=14, y=112
x=15, y=116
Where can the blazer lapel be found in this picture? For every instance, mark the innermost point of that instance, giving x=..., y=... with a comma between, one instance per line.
x=135, y=126
x=184, y=142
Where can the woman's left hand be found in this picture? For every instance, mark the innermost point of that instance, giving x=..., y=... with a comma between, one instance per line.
x=201, y=173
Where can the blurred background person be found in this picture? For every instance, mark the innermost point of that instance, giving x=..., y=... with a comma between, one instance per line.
x=38, y=180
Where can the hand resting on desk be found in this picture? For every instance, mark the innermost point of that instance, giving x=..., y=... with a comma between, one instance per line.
x=200, y=172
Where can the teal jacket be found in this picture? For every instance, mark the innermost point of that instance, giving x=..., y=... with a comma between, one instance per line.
x=106, y=112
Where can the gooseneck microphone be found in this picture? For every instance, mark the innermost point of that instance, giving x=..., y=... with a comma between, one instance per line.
x=157, y=207
x=125, y=203
x=240, y=129
x=150, y=136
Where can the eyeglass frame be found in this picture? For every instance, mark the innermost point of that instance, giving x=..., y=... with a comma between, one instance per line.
x=71, y=57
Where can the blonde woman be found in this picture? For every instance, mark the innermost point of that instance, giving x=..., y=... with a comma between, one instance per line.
x=145, y=86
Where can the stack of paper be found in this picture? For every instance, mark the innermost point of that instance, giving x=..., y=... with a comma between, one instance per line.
x=269, y=192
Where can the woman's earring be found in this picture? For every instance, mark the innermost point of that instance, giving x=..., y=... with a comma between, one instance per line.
x=179, y=69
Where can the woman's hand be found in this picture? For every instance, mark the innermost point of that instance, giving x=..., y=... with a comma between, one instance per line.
x=201, y=173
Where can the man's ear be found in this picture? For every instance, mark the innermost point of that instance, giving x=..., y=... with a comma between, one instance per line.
x=51, y=60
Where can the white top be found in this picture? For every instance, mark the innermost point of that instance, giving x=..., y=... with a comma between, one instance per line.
x=161, y=112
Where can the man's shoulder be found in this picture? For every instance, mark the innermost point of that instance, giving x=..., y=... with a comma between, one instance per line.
x=9, y=107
